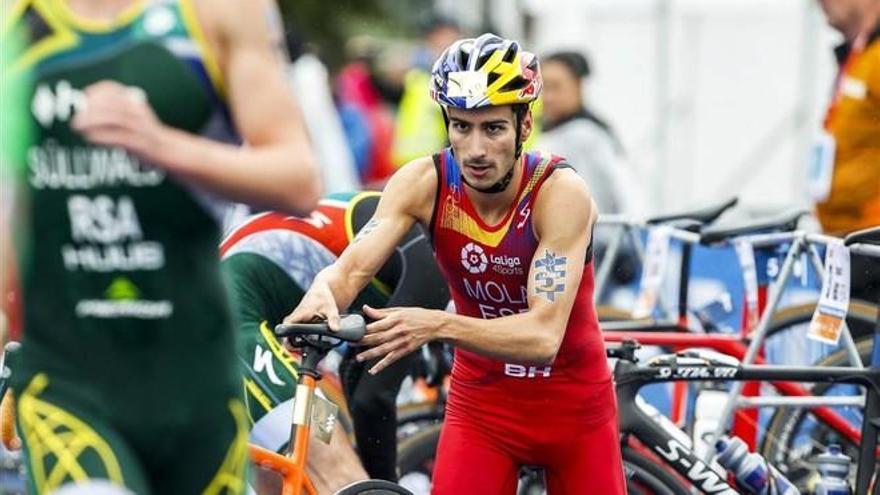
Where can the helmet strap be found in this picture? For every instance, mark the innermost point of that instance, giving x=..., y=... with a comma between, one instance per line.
x=519, y=113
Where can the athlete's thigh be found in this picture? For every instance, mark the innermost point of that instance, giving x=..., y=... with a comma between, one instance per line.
x=268, y=371
x=67, y=442
x=592, y=464
x=209, y=455
x=468, y=462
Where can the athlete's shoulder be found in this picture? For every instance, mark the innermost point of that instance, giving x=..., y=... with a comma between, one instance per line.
x=564, y=180
x=412, y=188
x=417, y=175
x=234, y=21
x=564, y=191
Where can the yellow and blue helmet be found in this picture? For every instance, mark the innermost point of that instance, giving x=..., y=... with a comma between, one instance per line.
x=485, y=71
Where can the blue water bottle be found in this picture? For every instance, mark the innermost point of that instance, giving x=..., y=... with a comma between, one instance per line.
x=751, y=470
x=833, y=466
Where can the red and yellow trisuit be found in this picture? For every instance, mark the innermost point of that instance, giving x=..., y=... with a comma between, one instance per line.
x=509, y=414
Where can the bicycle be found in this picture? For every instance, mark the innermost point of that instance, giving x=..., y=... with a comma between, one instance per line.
x=415, y=452
x=663, y=449
x=314, y=340
x=794, y=432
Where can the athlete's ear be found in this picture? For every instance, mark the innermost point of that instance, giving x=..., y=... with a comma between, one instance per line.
x=527, y=123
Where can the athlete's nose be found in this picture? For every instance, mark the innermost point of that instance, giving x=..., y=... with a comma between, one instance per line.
x=477, y=149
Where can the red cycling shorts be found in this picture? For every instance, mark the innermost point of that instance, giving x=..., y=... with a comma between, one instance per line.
x=487, y=436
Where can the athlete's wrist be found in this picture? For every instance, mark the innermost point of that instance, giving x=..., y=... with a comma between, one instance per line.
x=174, y=151
x=445, y=329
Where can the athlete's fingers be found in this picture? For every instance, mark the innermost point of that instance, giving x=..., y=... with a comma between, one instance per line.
x=105, y=86
x=386, y=362
x=376, y=337
x=375, y=352
x=406, y=348
x=375, y=314
x=112, y=136
x=382, y=349
x=333, y=320
x=382, y=325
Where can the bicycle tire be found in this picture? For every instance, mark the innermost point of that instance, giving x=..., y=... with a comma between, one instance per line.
x=373, y=487
x=416, y=452
x=786, y=424
x=861, y=318
x=645, y=476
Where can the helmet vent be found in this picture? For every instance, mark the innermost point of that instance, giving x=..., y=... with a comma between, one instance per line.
x=516, y=83
x=510, y=54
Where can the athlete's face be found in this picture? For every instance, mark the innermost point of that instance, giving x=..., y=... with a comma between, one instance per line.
x=484, y=142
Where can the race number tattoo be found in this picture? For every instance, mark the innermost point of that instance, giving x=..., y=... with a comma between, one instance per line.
x=550, y=275
x=372, y=225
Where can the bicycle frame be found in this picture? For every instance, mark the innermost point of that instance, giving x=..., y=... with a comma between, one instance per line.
x=733, y=346
x=677, y=336
x=662, y=442
x=292, y=467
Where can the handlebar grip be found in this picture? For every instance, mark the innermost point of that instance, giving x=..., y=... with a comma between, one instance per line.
x=351, y=329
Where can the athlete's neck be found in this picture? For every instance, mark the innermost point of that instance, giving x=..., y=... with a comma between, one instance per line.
x=492, y=207
x=99, y=10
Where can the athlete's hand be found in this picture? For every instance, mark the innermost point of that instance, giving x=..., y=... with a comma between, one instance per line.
x=116, y=115
x=395, y=333
x=317, y=305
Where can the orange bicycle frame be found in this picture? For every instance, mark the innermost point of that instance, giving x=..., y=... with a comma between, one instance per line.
x=292, y=467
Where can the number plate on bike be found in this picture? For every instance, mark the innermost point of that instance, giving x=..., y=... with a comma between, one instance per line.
x=324, y=415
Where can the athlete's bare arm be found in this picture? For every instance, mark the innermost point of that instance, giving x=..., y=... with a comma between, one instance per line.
x=408, y=198
x=554, y=278
x=275, y=169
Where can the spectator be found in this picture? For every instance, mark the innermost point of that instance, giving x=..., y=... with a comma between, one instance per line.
x=844, y=176
x=588, y=142
x=420, y=128
x=368, y=122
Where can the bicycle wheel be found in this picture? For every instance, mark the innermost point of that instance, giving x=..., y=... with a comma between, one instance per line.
x=415, y=460
x=646, y=476
x=794, y=436
x=861, y=318
x=374, y=487
x=413, y=418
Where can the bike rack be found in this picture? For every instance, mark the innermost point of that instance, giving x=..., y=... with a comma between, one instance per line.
x=801, y=243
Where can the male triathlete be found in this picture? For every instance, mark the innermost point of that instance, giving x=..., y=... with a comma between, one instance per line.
x=511, y=232
x=269, y=261
x=127, y=381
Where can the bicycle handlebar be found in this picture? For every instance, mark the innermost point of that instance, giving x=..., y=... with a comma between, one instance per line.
x=351, y=329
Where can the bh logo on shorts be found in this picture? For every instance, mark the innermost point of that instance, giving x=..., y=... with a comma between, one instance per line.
x=473, y=258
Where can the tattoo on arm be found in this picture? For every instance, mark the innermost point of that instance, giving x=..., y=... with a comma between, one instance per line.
x=372, y=225
x=550, y=275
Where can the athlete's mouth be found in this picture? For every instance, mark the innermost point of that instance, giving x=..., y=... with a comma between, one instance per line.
x=478, y=170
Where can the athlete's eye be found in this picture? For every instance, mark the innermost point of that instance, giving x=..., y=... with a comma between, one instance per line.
x=460, y=126
x=494, y=128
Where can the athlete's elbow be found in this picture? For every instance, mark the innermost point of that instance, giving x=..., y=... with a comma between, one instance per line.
x=546, y=350
x=304, y=198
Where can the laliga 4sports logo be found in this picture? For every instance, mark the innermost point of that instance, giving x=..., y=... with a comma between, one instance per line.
x=474, y=260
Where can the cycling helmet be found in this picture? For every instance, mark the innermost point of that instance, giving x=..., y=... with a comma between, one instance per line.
x=485, y=71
